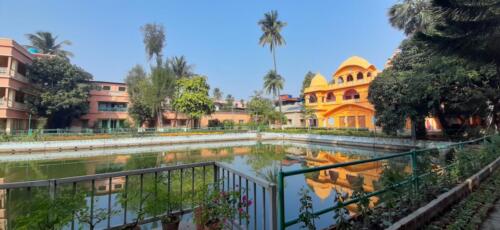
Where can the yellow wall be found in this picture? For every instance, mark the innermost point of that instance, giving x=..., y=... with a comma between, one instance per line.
x=341, y=108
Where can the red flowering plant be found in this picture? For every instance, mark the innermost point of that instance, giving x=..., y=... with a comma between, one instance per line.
x=220, y=209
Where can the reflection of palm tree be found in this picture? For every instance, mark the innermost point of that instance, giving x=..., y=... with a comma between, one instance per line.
x=271, y=174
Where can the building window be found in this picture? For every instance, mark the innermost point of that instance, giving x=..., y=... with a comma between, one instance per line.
x=340, y=80
x=342, y=121
x=330, y=97
x=4, y=61
x=102, y=188
x=350, y=78
x=112, y=106
x=369, y=74
x=313, y=98
x=289, y=121
x=19, y=97
x=21, y=68
x=241, y=121
x=361, y=122
x=359, y=76
x=106, y=87
x=118, y=186
x=122, y=88
x=351, y=122
x=351, y=94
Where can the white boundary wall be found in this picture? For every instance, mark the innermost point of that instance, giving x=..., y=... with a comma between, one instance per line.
x=73, y=145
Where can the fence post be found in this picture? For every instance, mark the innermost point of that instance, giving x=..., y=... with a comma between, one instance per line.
x=414, y=170
x=281, y=200
x=274, y=207
x=216, y=176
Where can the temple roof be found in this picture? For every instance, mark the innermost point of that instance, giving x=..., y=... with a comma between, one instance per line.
x=354, y=61
x=318, y=80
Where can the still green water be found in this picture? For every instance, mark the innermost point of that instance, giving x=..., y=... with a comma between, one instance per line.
x=258, y=159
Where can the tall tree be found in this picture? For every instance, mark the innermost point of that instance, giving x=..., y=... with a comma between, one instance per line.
x=271, y=33
x=180, y=67
x=161, y=86
x=137, y=81
x=271, y=36
x=229, y=101
x=421, y=83
x=259, y=107
x=306, y=82
x=46, y=43
x=468, y=29
x=410, y=16
x=217, y=94
x=154, y=41
x=273, y=84
x=64, y=90
x=192, y=98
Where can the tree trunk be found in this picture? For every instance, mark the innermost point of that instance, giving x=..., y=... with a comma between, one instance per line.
x=274, y=60
x=159, y=118
x=175, y=119
x=496, y=102
x=413, y=130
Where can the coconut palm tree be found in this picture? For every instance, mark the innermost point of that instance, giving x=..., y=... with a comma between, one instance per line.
x=273, y=84
x=46, y=43
x=410, y=16
x=180, y=67
x=271, y=28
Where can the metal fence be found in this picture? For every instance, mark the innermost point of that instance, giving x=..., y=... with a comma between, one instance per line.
x=415, y=175
x=118, y=199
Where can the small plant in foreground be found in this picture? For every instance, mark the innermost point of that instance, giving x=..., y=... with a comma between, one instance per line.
x=219, y=209
x=307, y=215
x=341, y=214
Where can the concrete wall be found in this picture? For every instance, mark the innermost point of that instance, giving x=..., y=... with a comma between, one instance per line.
x=58, y=146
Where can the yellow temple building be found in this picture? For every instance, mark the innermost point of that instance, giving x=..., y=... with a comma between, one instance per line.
x=343, y=101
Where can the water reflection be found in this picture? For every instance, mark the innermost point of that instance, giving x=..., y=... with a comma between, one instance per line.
x=255, y=158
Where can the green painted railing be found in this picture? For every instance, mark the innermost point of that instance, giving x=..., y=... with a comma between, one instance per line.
x=413, y=179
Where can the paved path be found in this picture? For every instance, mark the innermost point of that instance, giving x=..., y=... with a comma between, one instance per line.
x=493, y=220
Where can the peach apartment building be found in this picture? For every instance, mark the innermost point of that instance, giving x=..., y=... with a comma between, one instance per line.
x=108, y=106
x=108, y=102
x=14, y=86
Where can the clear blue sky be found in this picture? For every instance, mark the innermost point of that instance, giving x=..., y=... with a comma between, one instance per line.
x=219, y=37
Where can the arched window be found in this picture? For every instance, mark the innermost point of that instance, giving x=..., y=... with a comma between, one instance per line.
x=359, y=76
x=350, y=78
x=330, y=97
x=351, y=94
x=313, y=98
x=340, y=80
x=369, y=74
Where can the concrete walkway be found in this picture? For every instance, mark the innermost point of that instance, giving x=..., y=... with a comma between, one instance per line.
x=493, y=220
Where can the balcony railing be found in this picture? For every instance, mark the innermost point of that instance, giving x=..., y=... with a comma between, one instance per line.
x=14, y=74
x=112, y=109
x=126, y=198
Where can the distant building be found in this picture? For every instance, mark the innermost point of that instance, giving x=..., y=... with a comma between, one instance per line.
x=343, y=102
x=14, y=86
x=292, y=109
x=108, y=106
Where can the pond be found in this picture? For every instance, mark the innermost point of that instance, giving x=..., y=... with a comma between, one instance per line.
x=259, y=159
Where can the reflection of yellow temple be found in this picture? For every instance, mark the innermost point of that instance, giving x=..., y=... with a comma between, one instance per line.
x=341, y=178
x=343, y=102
